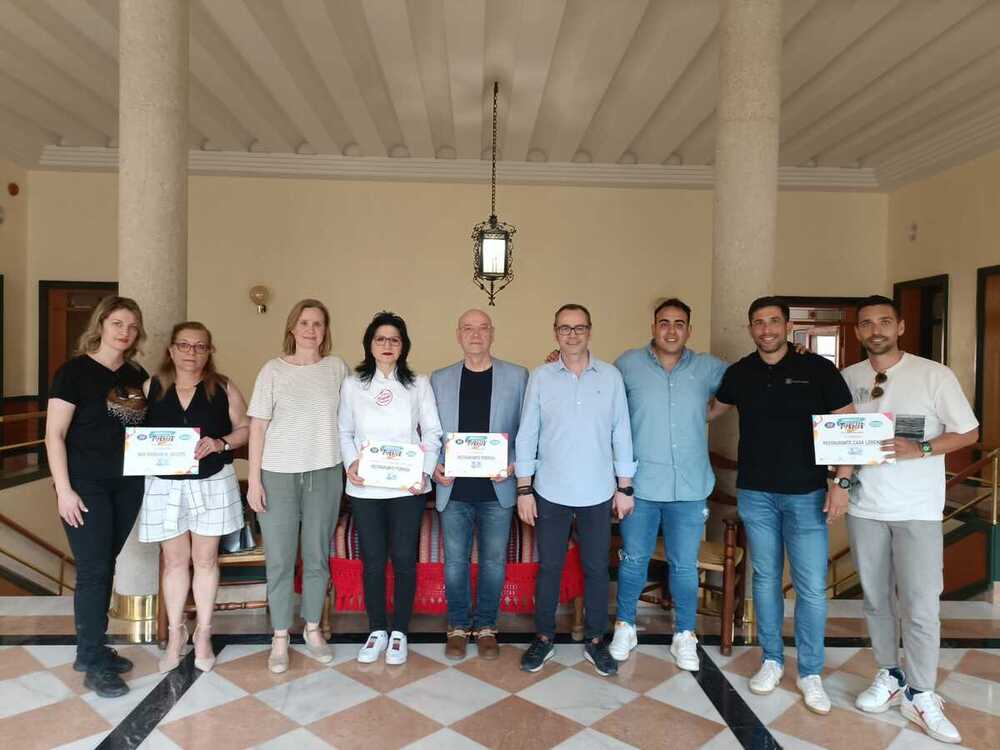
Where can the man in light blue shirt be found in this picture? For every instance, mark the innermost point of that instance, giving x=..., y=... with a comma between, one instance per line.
x=668, y=388
x=574, y=440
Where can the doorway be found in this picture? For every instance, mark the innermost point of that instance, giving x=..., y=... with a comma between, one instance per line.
x=924, y=306
x=988, y=354
x=825, y=326
x=64, y=308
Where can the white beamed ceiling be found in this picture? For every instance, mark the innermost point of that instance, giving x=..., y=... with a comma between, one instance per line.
x=876, y=93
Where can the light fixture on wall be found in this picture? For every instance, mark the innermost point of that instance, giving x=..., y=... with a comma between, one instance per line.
x=493, y=244
x=259, y=295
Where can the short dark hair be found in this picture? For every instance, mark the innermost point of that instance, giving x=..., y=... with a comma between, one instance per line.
x=572, y=306
x=762, y=302
x=878, y=299
x=673, y=302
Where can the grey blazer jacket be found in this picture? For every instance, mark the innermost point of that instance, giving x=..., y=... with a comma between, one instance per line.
x=509, y=382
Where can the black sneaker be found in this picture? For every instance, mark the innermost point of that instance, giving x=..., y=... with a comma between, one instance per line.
x=114, y=662
x=106, y=683
x=598, y=655
x=539, y=652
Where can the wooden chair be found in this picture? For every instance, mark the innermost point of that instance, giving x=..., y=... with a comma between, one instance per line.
x=728, y=558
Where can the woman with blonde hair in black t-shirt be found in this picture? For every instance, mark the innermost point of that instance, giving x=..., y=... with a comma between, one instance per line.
x=93, y=397
x=188, y=514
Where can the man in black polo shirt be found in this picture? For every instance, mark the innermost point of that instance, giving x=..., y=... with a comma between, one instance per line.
x=783, y=497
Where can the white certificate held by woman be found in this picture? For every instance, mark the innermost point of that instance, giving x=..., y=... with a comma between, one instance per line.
x=160, y=451
x=470, y=454
x=391, y=465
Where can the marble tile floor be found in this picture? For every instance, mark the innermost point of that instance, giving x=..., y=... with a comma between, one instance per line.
x=433, y=703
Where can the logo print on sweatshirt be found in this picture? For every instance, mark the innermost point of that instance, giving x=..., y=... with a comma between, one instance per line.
x=384, y=397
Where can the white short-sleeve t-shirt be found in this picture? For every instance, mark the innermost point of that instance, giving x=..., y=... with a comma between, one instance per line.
x=926, y=400
x=301, y=403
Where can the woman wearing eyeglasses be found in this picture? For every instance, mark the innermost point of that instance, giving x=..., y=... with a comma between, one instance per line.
x=187, y=514
x=385, y=401
x=296, y=478
x=93, y=398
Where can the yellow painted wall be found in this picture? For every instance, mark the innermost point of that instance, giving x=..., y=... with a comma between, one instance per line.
x=13, y=260
x=365, y=246
x=957, y=214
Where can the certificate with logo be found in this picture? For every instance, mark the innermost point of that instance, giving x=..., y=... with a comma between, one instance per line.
x=396, y=466
x=851, y=438
x=471, y=454
x=160, y=451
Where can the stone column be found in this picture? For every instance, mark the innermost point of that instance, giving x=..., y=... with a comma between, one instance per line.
x=746, y=177
x=152, y=200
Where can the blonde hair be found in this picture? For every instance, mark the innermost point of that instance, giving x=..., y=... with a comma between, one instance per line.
x=90, y=340
x=167, y=372
x=288, y=345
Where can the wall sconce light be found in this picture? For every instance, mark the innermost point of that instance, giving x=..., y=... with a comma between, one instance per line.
x=259, y=295
x=492, y=240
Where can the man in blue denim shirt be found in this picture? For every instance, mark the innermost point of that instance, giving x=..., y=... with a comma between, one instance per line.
x=668, y=388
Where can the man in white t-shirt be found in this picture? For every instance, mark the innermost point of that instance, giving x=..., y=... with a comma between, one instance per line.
x=895, y=513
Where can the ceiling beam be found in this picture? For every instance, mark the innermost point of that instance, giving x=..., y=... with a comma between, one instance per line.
x=29, y=104
x=538, y=32
x=464, y=29
x=592, y=44
x=322, y=42
x=389, y=25
x=217, y=63
x=258, y=46
x=668, y=38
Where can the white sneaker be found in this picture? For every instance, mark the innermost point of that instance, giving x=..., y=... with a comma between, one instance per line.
x=684, y=649
x=396, y=653
x=374, y=646
x=767, y=677
x=925, y=710
x=813, y=694
x=623, y=642
x=885, y=691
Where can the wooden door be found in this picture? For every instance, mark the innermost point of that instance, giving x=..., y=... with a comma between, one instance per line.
x=911, y=306
x=988, y=356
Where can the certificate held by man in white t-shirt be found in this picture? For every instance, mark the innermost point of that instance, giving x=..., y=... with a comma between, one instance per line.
x=926, y=401
x=396, y=466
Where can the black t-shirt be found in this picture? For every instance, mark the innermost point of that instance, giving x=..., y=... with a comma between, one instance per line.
x=776, y=404
x=106, y=402
x=474, y=395
x=210, y=416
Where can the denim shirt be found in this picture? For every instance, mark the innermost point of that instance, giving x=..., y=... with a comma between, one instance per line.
x=574, y=436
x=669, y=432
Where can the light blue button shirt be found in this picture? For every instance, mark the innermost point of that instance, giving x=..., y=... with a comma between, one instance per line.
x=669, y=432
x=574, y=436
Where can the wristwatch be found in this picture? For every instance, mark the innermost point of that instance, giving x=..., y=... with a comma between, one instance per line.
x=627, y=491
x=226, y=446
x=925, y=448
x=844, y=483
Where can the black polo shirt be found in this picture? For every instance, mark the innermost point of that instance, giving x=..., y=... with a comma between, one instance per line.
x=776, y=404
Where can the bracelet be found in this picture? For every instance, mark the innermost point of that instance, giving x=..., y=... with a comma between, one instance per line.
x=525, y=491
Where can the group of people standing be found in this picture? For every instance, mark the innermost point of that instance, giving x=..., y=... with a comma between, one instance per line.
x=589, y=442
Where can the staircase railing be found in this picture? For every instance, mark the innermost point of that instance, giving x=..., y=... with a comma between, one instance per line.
x=968, y=474
x=65, y=560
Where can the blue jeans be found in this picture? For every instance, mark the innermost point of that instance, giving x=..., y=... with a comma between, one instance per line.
x=492, y=523
x=796, y=523
x=683, y=522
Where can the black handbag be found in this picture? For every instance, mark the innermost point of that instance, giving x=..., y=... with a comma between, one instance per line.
x=243, y=539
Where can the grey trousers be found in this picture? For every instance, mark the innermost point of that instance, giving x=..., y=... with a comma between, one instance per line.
x=900, y=564
x=302, y=510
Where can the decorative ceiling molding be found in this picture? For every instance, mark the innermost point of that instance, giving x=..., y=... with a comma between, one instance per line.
x=326, y=166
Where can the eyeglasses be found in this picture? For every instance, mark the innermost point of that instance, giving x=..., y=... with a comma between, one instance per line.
x=388, y=341
x=878, y=390
x=567, y=330
x=186, y=347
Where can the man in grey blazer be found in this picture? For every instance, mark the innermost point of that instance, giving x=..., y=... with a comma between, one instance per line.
x=478, y=394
